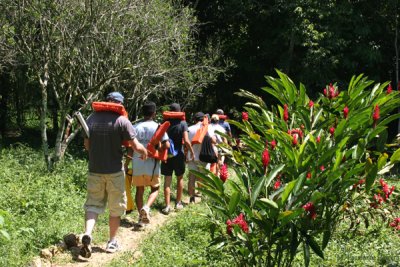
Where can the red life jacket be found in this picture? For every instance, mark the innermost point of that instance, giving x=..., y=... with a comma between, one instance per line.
x=113, y=107
x=155, y=140
x=223, y=117
x=201, y=132
x=167, y=115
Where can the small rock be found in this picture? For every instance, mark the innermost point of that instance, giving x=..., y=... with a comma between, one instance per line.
x=36, y=262
x=137, y=254
x=46, y=253
x=71, y=240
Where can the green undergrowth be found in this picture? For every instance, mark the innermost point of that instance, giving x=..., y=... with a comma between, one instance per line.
x=183, y=241
x=39, y=207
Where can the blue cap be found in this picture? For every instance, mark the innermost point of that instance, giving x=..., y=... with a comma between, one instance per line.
x=115, y=96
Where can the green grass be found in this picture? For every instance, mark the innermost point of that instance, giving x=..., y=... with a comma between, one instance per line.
x=41, y=207
x=184, y=241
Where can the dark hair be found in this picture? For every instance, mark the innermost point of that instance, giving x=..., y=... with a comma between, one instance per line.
x=149, y=108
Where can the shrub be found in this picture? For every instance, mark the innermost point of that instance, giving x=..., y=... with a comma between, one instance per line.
x=296, y=168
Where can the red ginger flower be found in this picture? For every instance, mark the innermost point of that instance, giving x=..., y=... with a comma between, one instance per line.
x=385, y=187
x=277, y=184
x=318, y=139
x=245, y=116
x=294, y=141
x=332, y=130
x=285, y=113
x=310, y=104
x=273, y=144
x=332, y=92
x=389, y=89
x=240, y=221
x=310, y=209
x=375, y=115
x=265, y=158
x=345, y=112
x=223, y=173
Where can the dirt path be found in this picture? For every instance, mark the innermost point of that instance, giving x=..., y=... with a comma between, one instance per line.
x=128, y=239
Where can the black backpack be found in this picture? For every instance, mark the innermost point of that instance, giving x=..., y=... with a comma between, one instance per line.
x=207, y=153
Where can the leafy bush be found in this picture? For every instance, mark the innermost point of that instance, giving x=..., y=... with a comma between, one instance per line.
x=41, y=206
x=298, y=167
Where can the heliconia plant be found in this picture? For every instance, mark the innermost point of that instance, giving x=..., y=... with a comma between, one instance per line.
x=292, y=194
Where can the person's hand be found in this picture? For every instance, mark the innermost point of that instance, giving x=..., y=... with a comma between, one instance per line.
x=144, y=155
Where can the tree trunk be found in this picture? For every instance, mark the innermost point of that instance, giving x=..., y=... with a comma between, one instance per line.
x=43, y=116
x=4, y=93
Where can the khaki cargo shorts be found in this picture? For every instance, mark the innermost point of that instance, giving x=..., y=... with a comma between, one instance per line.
x=146, y=180
x=103, y=189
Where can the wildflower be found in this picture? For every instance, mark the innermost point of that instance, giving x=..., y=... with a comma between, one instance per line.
x=378, y=198
x=308, y=175
x=223, y=173
x=375, y=115
x=385, y=188
x=389, y=89
x=395, y=224
x=332, y=130
x=265, y=158
x=310, y=104
x=310, y=209
x=273, y=144
x=285, y=113
x=332, y=92
x=345, y=112
x=240, y=221
x=318, y=139
x=294, y=141
x=277, y=184
x=322, y=168
x=245, y=116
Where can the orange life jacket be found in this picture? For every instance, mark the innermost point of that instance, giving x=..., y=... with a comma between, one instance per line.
x=174, y=115
x=201, y=132
x=155, y=140
x=113, y=107
x=223, y=117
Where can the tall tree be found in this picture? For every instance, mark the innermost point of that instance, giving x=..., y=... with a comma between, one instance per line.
x=77, y=50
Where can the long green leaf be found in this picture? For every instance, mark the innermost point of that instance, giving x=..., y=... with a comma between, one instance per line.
x=233, y=202
x=395, y=157
x=264, y=182
x=314, y=245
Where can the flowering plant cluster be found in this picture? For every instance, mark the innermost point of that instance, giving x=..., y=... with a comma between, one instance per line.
x=299, y=166
x=239, y=221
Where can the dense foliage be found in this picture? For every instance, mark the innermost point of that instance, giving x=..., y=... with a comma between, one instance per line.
x=39, y=207
x=301, y=165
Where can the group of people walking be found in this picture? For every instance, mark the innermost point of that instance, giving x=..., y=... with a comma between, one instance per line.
x=106, y=180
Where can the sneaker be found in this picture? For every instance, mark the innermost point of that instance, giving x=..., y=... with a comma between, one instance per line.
x=166, y=210
x=192, y=200
x=145, y=215
x=112, y=246
x=86, y=249
x=179, y=205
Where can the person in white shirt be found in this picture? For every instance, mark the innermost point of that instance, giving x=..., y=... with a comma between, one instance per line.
x=216, y=129
x=196, y=163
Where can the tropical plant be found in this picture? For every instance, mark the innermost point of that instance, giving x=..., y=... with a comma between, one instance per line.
x=297, y=166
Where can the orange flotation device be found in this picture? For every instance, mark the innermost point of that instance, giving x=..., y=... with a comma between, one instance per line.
x=201, y=132
x=155, y=140
x=110, y=106
x=113, y=107
x=223, y=117
x=167, y=115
